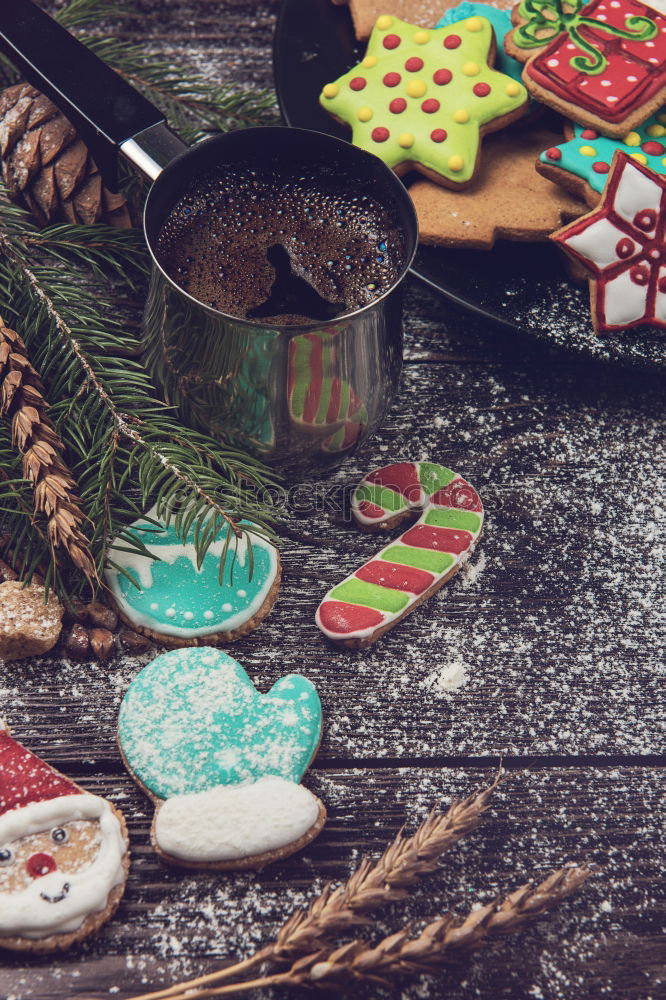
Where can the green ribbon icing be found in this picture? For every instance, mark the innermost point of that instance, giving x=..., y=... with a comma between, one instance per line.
x=546, y=19
x=192, y=720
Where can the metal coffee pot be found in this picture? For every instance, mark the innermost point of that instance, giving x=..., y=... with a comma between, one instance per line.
x=298, y=397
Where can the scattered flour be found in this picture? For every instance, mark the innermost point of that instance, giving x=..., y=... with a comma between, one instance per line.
x=447, y=678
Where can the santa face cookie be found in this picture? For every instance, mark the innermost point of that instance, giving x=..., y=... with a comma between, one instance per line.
x=622, y=247
x=163, y=592
x=63, y=855
x=221, y=761
x=602, y=63
x=406, y=572
x=423, y=99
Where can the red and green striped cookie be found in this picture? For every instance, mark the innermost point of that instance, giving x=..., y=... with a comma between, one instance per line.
x=320, y=400
x=405, y=572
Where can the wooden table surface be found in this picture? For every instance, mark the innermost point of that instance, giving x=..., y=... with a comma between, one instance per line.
x=546, y=650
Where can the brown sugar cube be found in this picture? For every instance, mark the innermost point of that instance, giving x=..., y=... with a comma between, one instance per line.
x=28, y=626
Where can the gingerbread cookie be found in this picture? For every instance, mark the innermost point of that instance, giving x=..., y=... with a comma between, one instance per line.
x=162, y=592
x=424, y=99
x=602, y=64
x=63, y=855
x=406, y=572
x=501, y=22
x=582, y=163
x=508, y=199
x=221, y=762
x=622, y=245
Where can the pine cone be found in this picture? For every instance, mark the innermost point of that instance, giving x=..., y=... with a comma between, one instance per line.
x=48, y=168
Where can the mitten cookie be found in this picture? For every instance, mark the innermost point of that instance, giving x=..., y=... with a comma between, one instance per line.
x=424, y=99
x=602, y=64
x=406, y=572
x=163, y=592
x=622, y=246
x=221, y=762
x=63, y=855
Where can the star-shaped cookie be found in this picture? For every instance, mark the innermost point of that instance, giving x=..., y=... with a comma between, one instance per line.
x=423, y=98
x=622, y=245
x=507, y=200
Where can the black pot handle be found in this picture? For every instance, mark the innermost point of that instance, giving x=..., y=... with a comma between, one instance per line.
x=105, y=110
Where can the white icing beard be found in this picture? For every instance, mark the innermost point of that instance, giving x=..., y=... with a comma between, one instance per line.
x=26, y=913
x=235, y=821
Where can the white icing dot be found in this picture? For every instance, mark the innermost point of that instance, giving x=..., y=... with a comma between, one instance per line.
x=649, y=45
x=653, y=60
x=601, y=17
x=612, y=100
x=188, y=616
x=605, y=83
x=242, y=593
x=154, y=607
x=208, y=615
x=170, y=612
x=553, y=62
x=615, y=4
x=632, y=79
x=226, y=606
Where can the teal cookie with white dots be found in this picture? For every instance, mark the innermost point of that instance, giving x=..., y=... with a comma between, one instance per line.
x=222, y=762
x=163, y=592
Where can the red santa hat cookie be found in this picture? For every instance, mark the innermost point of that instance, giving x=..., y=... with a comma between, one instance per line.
x=63, y=854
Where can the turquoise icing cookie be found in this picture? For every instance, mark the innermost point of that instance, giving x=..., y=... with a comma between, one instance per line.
x=192, y=720
x=174, y=597
x=501, y=22
x=589, y=155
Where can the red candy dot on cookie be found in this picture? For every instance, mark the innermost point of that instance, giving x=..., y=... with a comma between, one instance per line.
x=553, y=153
x=380, y=134
x=398, y=105
x=391, y=80
x=653, y=148
x=589, y=133
x=358, y=83
x=646, y=220
x=639, y=274
x=438, y=135
x=442, y=76
x=452, y=42
x=38, y=865
x=600, y=168
x=392, y=41
x=414, y=64
x=430, y=106
x=481, y=89
x=625, y=248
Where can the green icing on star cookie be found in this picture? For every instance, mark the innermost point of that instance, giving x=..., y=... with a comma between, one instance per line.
x=425, y=96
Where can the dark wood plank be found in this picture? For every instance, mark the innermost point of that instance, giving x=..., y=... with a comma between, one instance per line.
x=606, y=942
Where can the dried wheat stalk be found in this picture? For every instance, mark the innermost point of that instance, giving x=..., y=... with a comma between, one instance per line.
x=371, y=886
x=443, y=942
x=22, y=401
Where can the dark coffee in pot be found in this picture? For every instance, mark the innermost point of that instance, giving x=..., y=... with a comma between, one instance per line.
x=276, y=245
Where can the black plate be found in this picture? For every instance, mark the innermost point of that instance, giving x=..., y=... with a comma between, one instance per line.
x=520, y=286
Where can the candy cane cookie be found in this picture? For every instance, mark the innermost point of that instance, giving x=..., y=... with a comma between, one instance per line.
x=407, y=571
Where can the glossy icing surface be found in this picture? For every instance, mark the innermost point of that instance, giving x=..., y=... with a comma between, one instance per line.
x=501, y=22
x=175, y=596
x=622, y=244
x=192, y=720
x=393, y=582
x=422, y=96
x=589, y=155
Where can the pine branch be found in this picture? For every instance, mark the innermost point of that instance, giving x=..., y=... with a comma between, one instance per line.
x=33, y=433
x=125, y=447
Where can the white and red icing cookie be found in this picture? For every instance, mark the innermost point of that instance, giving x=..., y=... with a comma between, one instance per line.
x=406, y=572
x=222, y=762
x=63, y=854
x=622, y=246
x=164, y=592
